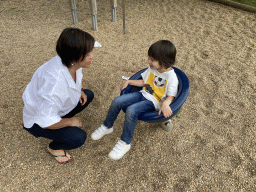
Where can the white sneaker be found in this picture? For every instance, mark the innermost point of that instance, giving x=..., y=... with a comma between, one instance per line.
x=119, y=150
x=167, y=125
x=100, y=132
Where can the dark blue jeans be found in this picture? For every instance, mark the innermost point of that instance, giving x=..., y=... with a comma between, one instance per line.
x=134, y=104
x=68, y=137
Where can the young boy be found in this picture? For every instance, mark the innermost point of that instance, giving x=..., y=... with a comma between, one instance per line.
x=160, y=86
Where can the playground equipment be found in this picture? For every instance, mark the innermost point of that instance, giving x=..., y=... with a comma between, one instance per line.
x=93, y=7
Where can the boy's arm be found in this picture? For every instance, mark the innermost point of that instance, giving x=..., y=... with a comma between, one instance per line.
x=168, y=100
x=165, y=107
x=138, y=83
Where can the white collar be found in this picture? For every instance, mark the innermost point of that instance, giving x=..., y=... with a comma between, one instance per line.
x=68, y=77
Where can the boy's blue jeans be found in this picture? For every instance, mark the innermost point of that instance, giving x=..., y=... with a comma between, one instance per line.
x=134, y=104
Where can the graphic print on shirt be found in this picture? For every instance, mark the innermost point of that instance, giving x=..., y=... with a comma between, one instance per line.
x=155, y=86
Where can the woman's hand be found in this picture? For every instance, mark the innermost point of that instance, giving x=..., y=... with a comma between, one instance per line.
x=75, y=122
x=65, y=122
x=166, y=110
x=83, y=98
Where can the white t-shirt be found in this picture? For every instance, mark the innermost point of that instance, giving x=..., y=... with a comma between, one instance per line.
x=159, y=85
x=51, y=94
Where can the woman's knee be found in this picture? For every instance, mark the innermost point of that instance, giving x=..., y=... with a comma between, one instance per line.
x=82, y=138
x=79, y=137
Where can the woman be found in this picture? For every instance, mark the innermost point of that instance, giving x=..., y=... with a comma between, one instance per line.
x=55, y=95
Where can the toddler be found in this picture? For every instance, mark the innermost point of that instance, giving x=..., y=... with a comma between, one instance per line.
x=160, y=85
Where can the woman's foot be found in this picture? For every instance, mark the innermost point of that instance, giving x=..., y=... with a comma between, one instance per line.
x=61, y=156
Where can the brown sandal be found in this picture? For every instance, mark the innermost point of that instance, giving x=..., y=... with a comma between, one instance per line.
x=59, y=156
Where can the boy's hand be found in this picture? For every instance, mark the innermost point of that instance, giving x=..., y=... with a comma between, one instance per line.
x=124, y=85
x=166, y=110
x=137, y=83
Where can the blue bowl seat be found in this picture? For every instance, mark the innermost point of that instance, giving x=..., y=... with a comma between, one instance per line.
x=183, y=91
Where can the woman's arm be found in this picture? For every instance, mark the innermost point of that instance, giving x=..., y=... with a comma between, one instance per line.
x=138, y=83
x=65, y=122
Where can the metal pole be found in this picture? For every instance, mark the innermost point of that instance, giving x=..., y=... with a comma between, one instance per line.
x=74, y=15
x=114, y=6
x=124, y=16
x=94, y=14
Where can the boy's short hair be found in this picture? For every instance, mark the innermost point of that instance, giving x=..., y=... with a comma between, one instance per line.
x=73, y=44
x=164, y=52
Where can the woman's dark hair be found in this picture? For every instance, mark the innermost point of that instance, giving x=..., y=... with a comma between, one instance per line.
x=164, y=52
x=73, y=44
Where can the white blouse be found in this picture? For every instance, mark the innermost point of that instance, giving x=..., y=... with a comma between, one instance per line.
x=51, y=94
